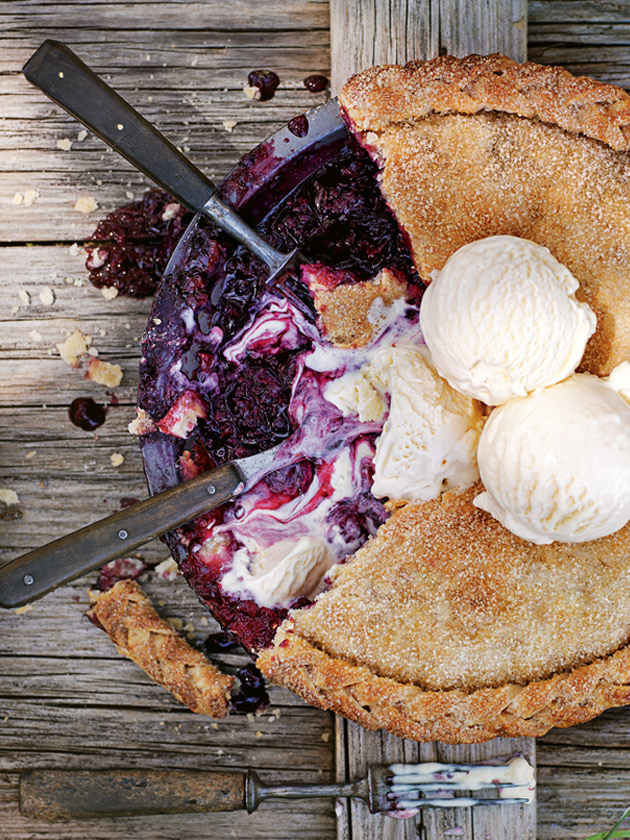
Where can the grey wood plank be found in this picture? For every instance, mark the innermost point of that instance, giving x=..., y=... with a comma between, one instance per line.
x=362, y=34
x=367, y=32
x=392, y=32
x=484, y=27
x=169, y=15
x=576, y=11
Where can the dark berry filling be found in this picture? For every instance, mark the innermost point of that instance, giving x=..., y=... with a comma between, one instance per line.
x=251, y=695
x=220, y=643
x=87, y=414
x=124, y=568
x=337, y=217
x=316, y=83
x=299, y=125
x=266, y=81
x=130, y=248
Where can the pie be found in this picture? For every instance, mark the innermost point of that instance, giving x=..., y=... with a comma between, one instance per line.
x=427, y=619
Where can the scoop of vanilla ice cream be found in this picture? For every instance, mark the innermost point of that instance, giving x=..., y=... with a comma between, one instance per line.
x=279, y=574
x=430, y=436
x=501, y=319
x=556, y=465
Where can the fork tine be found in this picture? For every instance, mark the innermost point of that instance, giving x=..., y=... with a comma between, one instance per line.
x=456, y=802
x=401, y=787
x=409, y=790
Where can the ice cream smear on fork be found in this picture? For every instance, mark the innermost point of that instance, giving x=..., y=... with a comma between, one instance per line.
x=515, y=781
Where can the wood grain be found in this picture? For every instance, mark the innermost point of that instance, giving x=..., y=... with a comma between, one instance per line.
x=367, y=32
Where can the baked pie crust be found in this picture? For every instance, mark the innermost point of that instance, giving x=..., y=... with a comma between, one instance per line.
x=127, y=615
x=445, y=626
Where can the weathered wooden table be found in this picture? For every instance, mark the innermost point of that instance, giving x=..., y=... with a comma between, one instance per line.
x=66, y=698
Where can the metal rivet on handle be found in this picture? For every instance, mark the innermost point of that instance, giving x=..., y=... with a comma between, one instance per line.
x=211, y=489
x=29, y=580
x=123, y=534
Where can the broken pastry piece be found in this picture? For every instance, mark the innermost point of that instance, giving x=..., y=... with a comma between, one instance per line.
x=126, y=614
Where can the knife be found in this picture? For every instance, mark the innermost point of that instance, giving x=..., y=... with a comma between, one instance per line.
x=34, y=574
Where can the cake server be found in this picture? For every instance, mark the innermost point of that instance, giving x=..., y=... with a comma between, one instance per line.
x=69, y=82
x=34, y=574
x=399, y=789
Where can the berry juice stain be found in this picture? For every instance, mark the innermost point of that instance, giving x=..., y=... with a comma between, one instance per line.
x=87, y=414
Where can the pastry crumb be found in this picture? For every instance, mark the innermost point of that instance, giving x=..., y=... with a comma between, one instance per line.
x=252, y=92
x=215, y=725
x=170, y=211
x=92, y=351
x=27, y=198
x=24, y=297
x=142, y=425
x=9, y=497
x=36, y=335
x=168, y=570
x=47, y=296
x=82, y=135
x=104, y=373
x=74, y=250
x=86, y=204
x=325, y=737
x=30, y=197
x=109, y=292
x=22, y=610
x=117, y=459
x=229, y=125
x=176, y=623
x=30, y=454
x=65, y=144
x=73, y=348
x=129, y=195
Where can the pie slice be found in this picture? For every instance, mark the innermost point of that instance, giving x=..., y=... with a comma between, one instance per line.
x=444, y=625
x=473, y=147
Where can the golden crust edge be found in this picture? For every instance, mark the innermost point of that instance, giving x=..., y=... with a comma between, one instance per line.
x=128, y=617
x=453, y=717
x=379, y=96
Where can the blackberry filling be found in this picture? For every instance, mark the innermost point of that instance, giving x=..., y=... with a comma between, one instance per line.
x=228, y=371
x=130, y=248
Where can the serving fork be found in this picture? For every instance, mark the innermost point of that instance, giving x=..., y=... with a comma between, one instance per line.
x=395, y=789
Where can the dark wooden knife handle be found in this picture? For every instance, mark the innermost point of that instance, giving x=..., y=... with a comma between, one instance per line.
x=34, y=574
x=93, y=794
x=67, y=80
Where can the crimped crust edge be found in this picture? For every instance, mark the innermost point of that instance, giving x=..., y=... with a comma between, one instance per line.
x=380, y=96
x=453, y=717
